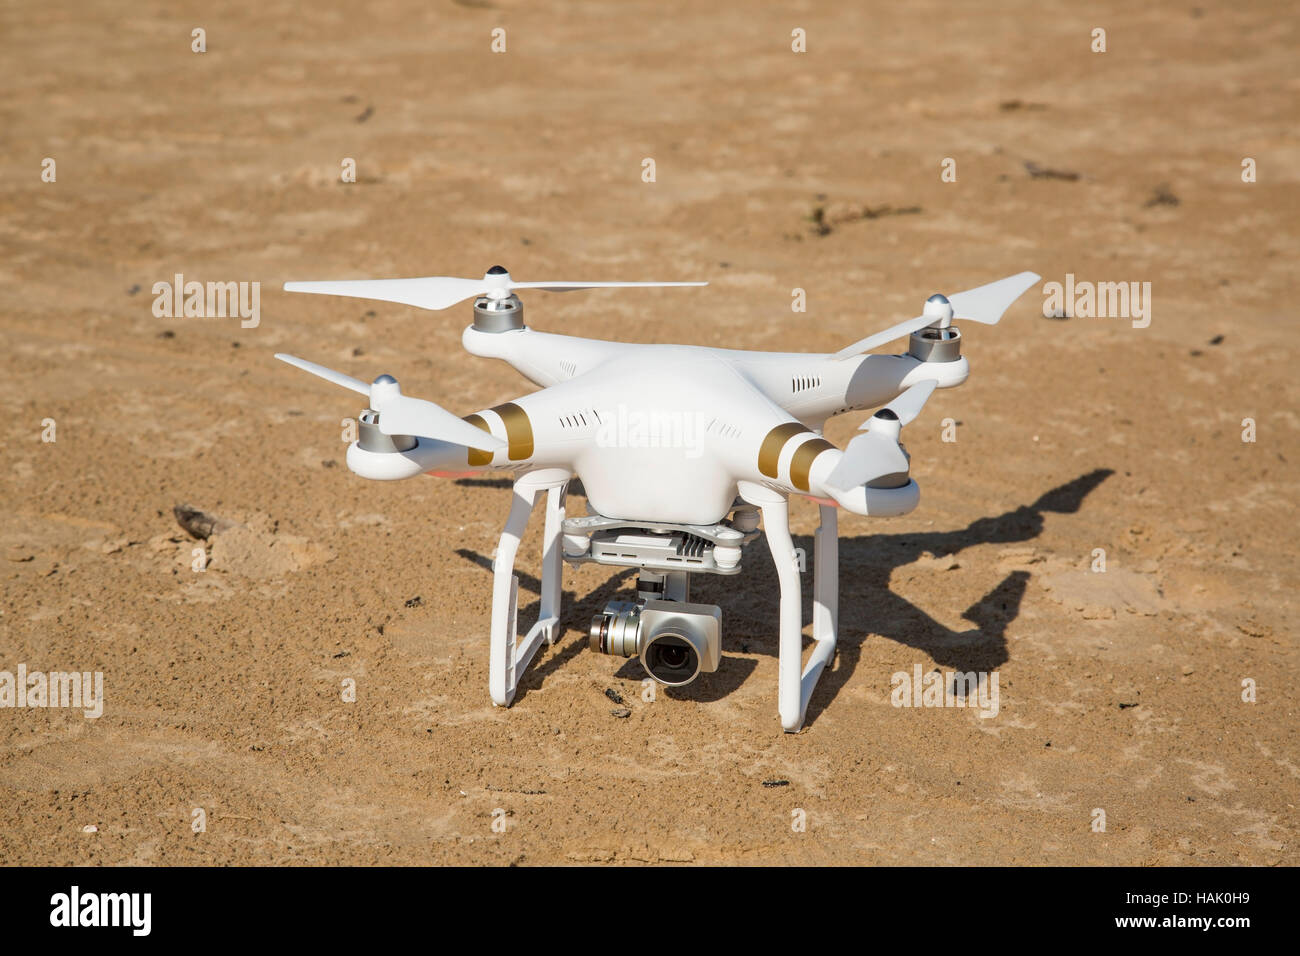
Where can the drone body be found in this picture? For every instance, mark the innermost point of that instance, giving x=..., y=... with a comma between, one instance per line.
x=669, y=441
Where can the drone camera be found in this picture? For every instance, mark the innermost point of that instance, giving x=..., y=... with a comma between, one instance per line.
x=673, y=656
x=676, y=641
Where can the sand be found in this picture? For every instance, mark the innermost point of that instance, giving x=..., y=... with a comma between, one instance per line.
x=1120, y=692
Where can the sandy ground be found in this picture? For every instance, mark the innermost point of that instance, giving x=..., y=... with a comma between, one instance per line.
x=1120, y=691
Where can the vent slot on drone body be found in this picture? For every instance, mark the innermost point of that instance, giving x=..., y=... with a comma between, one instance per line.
x=801, y=383
x=723, y=429
x=569, y=368
x=579, y=418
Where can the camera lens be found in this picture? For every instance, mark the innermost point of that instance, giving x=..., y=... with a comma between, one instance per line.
x=673, y=656
x=671, y=659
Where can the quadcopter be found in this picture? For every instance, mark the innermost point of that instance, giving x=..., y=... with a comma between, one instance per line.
x=682, y=451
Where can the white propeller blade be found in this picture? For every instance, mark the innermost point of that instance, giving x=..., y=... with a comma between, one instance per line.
x=442, y=292
x=877, y=453
x=570, y=286
x=402, y=415
x=986, y=304
x=338, y=378
x=433, y=292
x=867, y=457
x=908, y=405
x=884, y=336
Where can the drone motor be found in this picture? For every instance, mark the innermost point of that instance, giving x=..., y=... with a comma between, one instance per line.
x=370, y=438
x=502, y=314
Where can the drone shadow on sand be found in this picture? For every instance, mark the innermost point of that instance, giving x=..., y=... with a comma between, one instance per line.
x=867, y=605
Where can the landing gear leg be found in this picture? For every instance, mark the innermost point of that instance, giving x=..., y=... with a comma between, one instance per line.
x=510, y=656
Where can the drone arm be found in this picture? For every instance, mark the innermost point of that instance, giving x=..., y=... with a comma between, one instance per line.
x=544, y=358
x=793, y=460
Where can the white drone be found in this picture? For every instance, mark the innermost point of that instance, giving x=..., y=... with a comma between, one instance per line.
x=679, y=449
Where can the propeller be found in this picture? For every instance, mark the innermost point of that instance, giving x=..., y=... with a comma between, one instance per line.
x=442, y=292
x=876, y=455
x=985, y=304
x=400, y=414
